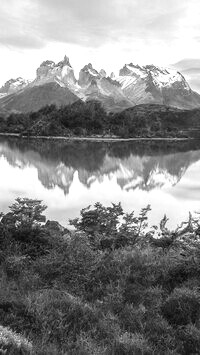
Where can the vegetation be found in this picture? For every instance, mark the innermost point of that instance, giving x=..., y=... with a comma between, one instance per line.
x=112, y=285
x=89, y=119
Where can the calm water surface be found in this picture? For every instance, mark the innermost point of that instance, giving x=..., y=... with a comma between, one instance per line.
x=71, y=176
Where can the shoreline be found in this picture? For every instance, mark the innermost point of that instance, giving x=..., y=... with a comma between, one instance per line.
x=95, y=139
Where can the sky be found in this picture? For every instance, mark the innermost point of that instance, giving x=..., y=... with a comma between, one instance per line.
x=106, y=33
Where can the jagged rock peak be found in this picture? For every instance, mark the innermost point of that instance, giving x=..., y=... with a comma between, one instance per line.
x=86, y=75
x=102, y=73
x=131, y=69
x=112, y=75
x=52, y=64
x=64, y=62
x=88, y=67
x=47, y=63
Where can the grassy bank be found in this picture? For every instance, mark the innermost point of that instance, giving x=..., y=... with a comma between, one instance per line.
x=105, y=288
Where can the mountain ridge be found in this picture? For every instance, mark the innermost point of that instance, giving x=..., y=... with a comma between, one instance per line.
x=133, y=85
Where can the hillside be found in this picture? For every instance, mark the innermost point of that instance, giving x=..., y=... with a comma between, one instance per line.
x=36, y=97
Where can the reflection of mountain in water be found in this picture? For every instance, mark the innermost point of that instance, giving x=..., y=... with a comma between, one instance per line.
x=134, y=165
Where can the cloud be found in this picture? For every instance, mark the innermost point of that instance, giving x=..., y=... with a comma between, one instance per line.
x=187, y=64
x=17, y=25
x=21, y=41
x=90, y=22
x=140, y=31
x=190, y=68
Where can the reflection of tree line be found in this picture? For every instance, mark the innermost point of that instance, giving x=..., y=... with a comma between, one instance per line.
x=139, y=159
x=90, y=155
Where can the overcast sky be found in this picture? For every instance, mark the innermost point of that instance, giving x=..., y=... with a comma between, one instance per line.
x=108, y=33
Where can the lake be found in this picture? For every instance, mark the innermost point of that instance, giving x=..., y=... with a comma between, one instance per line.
x=70, y=176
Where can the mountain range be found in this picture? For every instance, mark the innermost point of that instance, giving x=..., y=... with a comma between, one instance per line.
x=133, y=85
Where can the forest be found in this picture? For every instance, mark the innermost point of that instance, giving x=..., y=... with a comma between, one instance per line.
x=86, y=119
x=109, y=284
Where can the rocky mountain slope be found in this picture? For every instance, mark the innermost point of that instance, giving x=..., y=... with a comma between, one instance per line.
x=56, y=83
x=35, y=97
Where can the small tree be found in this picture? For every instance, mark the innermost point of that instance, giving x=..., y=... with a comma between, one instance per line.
x=27, y=212
x=110, y=228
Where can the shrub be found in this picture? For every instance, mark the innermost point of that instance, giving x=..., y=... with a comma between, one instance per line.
x=177, y=274
x=152, y=298
x=85, y=345
x=143, y=274
x=14, y=265
x=129, y=344
x=132, y=318
x=68, y=266
x=190, y=338
x=14, y=313
x=160, y=334
x=182, y=306
x=62, y=316
x=12, y=343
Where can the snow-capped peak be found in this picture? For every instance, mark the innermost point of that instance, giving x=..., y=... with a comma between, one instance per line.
x=165, y=77
x=14, y=85
x=160, y=77
x=134, y=85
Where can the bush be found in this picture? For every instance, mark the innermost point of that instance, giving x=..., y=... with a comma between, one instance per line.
x=32, y=242
x=132, y=318
x=190, y=338
x=177, y=274
x=129, y=344
x=12, y=343
x=69, y=296
x=182, y=307
x=14, y=313
x=14, y=265
x=61, y=315
x=87, y=346
x=160, y=334
x=68, y=266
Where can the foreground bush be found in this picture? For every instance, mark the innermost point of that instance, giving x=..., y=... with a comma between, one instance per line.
x=107, y=288
x=190, y=339
x=182, y=307
x=12, y=343
x=128, y=344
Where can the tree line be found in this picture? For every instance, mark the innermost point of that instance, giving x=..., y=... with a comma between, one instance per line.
x=90, y=118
